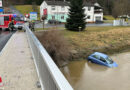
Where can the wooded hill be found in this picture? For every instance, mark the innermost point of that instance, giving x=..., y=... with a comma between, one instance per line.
x=111, y=7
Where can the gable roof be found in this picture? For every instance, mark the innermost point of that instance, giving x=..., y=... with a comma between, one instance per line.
x=61, y=3
x=88, y=4
x=65, y=3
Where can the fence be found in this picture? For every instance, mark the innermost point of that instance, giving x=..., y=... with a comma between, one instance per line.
x=49, y=74
x=120, y=22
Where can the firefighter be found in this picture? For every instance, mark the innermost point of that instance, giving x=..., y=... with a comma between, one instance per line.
x=31, y=25
x=11, y=25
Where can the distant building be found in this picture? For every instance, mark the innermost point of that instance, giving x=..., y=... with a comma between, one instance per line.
x=58, y=10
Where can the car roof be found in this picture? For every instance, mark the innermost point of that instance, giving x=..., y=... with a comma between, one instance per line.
x=100, y=54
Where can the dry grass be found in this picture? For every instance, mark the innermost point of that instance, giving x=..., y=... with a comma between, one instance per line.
x=56, y=45
x=102, y=39
x=108, y=41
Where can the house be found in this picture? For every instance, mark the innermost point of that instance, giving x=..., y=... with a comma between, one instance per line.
x=58, y=10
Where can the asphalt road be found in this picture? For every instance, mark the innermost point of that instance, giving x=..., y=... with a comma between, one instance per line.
x=40, y=25
x=4, y=37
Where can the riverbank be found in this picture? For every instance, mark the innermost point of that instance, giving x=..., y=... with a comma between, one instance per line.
x=108, y=40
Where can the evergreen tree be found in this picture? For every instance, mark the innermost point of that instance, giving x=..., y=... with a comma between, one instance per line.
x=76, y=19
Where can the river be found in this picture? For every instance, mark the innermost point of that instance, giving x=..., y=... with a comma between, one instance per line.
x=84, y=75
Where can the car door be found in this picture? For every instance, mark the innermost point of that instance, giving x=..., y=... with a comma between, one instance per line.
x=95, y=59
x=103, y=61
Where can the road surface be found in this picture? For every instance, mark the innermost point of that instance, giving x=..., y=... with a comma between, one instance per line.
x=17, y=68
x=40, y=25
x=4, y=37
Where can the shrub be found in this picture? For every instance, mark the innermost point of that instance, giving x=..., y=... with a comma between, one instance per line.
x=56, y=46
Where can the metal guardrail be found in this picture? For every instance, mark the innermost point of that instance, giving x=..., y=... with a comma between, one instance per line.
x=49, y=74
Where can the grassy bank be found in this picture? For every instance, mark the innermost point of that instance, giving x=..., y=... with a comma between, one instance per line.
x=102, y=39
x=108, y=17
x=108, y=40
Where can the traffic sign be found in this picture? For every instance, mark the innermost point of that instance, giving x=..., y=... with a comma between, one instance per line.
x=1, y=10
x=33, y=15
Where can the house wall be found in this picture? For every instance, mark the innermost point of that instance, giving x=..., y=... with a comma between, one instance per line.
x=89, y=13
x=58, y=13
x=43, y=6
x=98, y=15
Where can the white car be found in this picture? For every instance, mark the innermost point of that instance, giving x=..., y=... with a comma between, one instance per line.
x=19, y=26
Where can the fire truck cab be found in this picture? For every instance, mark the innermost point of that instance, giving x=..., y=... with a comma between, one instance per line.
x=5, y=20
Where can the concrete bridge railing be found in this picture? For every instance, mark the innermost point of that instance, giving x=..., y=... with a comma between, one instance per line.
x=51, y=78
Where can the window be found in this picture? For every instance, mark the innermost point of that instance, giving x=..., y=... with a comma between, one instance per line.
x=109, y=60
x=1, y=20
x=88, y=17
x=62, y=17
x=96, y=56
x=62, y=8
x=6, y=18
x=89, y=8
x=98, y=18
x=53, y=17
x=17, y=19
x=102, y=59
x=53, y=8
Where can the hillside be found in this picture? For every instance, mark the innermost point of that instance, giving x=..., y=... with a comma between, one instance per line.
x=24, y=9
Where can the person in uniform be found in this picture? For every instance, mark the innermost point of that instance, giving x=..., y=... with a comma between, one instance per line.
x=11, y=25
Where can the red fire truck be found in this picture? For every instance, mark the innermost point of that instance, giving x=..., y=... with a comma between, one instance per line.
x=5, y=20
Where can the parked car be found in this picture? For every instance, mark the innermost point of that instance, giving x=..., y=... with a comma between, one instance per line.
x=99, y=22
x=54, y=22
x=18, y=26
x=102, y=59
x=19, y=23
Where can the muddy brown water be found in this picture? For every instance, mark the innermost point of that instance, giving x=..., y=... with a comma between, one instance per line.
x=83, y=75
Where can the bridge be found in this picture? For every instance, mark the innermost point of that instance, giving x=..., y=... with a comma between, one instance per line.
x=26, y=65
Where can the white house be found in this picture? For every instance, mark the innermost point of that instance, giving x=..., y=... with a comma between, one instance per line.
x=58, y=10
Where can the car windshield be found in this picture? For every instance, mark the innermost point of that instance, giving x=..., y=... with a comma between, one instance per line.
x=17, y=19
x=19, y=24
x=109, y=60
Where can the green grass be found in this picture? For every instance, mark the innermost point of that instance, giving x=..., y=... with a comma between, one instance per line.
x=91, y=29
x=51, y=28
x=26, y=9
x=109, y=17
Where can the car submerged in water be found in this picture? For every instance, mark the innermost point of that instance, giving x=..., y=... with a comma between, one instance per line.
x=102, y=59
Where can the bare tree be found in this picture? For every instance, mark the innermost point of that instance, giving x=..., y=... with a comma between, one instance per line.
x=121, y=7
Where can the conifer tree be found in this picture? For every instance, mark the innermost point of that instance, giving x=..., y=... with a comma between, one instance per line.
x=76, y=17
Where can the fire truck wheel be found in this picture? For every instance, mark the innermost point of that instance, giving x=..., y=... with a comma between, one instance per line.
x=0, y=28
